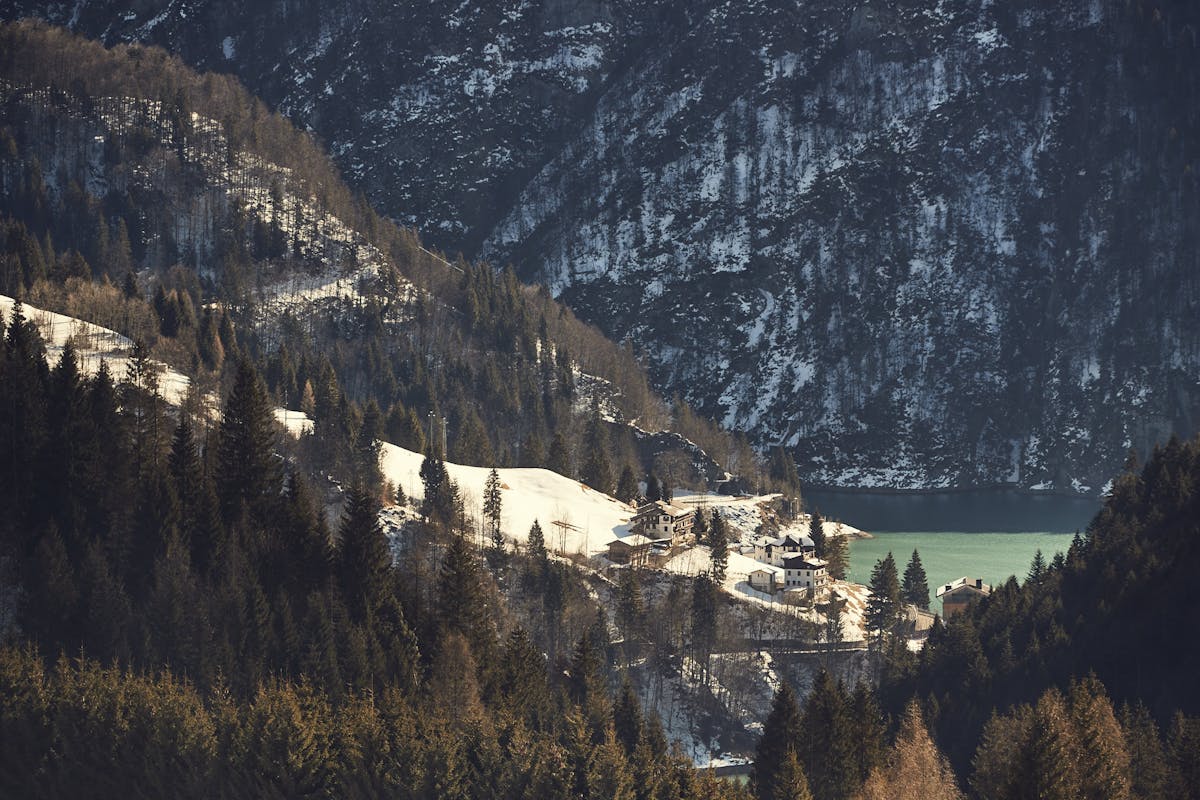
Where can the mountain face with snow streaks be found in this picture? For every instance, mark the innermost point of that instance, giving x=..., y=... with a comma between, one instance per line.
x=954, y=242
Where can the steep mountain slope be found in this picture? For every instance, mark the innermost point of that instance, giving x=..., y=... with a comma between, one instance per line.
x=950, y=240
x=125, y=168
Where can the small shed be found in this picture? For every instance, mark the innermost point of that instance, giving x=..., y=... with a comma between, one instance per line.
x=762, y=579
x=633, y=549
x=957, y=595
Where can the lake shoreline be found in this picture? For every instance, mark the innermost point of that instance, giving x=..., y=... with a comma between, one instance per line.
x=961, y=511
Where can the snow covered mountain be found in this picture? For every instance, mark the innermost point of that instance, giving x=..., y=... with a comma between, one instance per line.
x=950, y=241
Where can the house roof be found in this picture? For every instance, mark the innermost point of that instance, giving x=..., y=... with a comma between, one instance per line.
x=633, y=540
x=964, y=584
x=788, y=539
x=803, y=562
x=659, y=507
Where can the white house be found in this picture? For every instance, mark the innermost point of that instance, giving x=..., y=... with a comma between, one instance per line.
x=774, y=551
x=805, y=572
x=765, y=579
x=659, y=520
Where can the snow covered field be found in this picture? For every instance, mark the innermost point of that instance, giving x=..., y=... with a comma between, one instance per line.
x=589, y=519
x=93, y=344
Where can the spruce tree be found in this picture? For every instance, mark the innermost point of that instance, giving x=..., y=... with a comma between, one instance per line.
x=308, y=547
x=537, y=541
x=883, y=606
x=597, y=470
x=587, y=683
x=654, y=489
x=869, y=729
x=1149, y=771
x=816, y=532
x=533, y=454
x=627, y=718
x=1037, y=568
x=460, y=602
x=1049, y=768
x=249, y=473
x=705, y=600
x=1103, y=757
x=790, y=781
x=719, y=539
x=492, y=506
x=364, y=559
x=627, y=485
x=560, y=458
x=781, y=732
x=915, y=588
x=826, y=742
x=837, y=556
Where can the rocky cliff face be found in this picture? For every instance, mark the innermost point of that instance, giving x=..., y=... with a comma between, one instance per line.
x=923, y=244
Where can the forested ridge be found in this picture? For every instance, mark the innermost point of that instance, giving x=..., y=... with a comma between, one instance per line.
x=123, y=161
x=179, y=617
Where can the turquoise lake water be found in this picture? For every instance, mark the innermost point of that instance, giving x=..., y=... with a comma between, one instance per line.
x=949, y=555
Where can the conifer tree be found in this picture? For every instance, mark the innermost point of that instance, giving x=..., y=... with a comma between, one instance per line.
x=704, y=618
x=537, y=541
x=53, y=594
x=837, y=557
x=559, y=459
x=364, y=560
x=826, y=741
x=177, y=613
x=915, y=588
x=1183, y=754
x=781, y=732
x=627, y=485
x=1048, y=765
x=107, y=610
x=1102, y=758
x=587, y=684
x=718, y=538
x=868, y=730
x=308, y=547
x=791, y=782
x=249, y=473
x=883, y=607
x=367, y=447
x=142, y=406
x=523, y=679
x=432, y=473
x=492, y=506
x=533, y=454
x=597, y=470
x=1150, y=773
x=460, y=601
x=320, y=658
x=997, y=765
x=627, y=718
x=1037, y=569
x=629, y=607
x=654, y=489
x=916, y=769
x=816, y=532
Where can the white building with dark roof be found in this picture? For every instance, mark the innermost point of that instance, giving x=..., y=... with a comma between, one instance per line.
x=659, y=520
x=805, y=572
x=774, y=550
